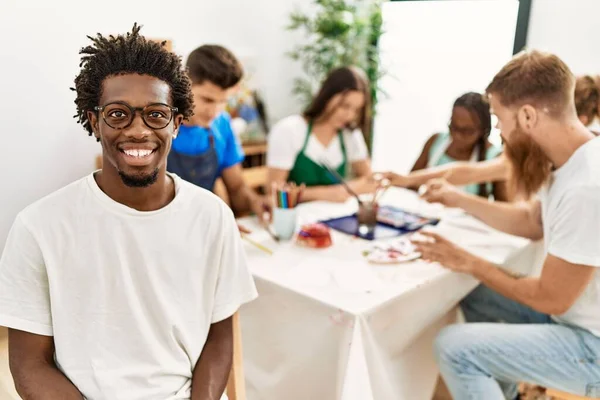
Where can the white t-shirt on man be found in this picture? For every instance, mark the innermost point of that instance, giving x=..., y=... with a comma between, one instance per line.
x=571, y=217
x=287, y=137
x=129, y=296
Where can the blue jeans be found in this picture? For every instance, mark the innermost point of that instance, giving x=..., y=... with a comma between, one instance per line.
x=486, y=359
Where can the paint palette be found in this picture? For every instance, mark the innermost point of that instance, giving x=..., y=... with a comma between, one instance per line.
x=404, y=220
x=393, y=252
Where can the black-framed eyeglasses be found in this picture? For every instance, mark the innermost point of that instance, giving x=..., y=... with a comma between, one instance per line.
x=463, y=131
x=119, y=115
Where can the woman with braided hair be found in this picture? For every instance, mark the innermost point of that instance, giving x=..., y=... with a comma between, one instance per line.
x=466, y=140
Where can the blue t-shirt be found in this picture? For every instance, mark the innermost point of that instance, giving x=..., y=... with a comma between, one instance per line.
x=193, y=140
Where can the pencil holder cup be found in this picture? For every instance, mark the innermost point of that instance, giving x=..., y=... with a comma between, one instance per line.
x=284, y=222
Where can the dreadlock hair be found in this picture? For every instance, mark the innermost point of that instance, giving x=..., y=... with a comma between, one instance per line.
x=477, y=104
x=128, y=54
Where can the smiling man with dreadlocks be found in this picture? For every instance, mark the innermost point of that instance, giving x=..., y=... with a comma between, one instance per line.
x=122, y=284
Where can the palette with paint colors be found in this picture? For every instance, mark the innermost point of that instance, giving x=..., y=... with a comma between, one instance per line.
x=401, y=219
x=393, y=252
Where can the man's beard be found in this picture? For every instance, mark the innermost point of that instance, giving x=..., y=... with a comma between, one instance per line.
x=531, y=167
x=140, y=180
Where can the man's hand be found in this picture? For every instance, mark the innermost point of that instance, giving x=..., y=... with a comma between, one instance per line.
x=435, y=248
x=440, y=191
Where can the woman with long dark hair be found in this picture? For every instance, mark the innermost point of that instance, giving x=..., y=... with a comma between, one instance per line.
x=328, y=134
x=465, y=143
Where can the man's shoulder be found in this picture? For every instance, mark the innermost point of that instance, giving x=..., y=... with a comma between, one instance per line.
x=56, y=205
x=580, y=191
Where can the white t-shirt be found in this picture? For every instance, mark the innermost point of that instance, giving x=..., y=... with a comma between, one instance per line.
x=287, y=137
x=129, y=296
x=571, y=215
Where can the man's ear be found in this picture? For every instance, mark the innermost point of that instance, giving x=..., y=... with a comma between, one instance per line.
x=528, y=117
x=93, y=121
x=176, y=124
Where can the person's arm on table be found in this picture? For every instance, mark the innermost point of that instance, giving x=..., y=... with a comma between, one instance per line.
x=559, y=286
x=573, y=256
x=36, y=376
x=519, y=218
x=211, y=373
x=459, y=173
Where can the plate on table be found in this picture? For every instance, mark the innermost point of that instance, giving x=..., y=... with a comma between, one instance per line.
x=393, y=252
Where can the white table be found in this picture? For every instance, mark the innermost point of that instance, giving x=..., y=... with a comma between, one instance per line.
x=329, y=325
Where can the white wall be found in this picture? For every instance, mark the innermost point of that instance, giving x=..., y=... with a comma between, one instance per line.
x=42, y=147
x=568, y=28
x=434, y=51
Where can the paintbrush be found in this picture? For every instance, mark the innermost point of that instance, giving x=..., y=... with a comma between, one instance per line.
x=384, y=184
x=342, y=181
x=272, y=234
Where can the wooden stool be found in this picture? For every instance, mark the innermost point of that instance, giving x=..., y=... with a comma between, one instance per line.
x=236, y=386
x=566, y=396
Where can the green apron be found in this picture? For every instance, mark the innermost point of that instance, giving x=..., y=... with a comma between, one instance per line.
x=310, y=173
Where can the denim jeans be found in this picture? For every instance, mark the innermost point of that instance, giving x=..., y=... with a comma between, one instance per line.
x=505, y=343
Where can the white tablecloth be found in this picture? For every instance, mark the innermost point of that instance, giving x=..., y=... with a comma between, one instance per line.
x=329, y=325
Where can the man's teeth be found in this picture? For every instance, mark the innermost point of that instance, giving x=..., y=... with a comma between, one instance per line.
x=138, y=153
